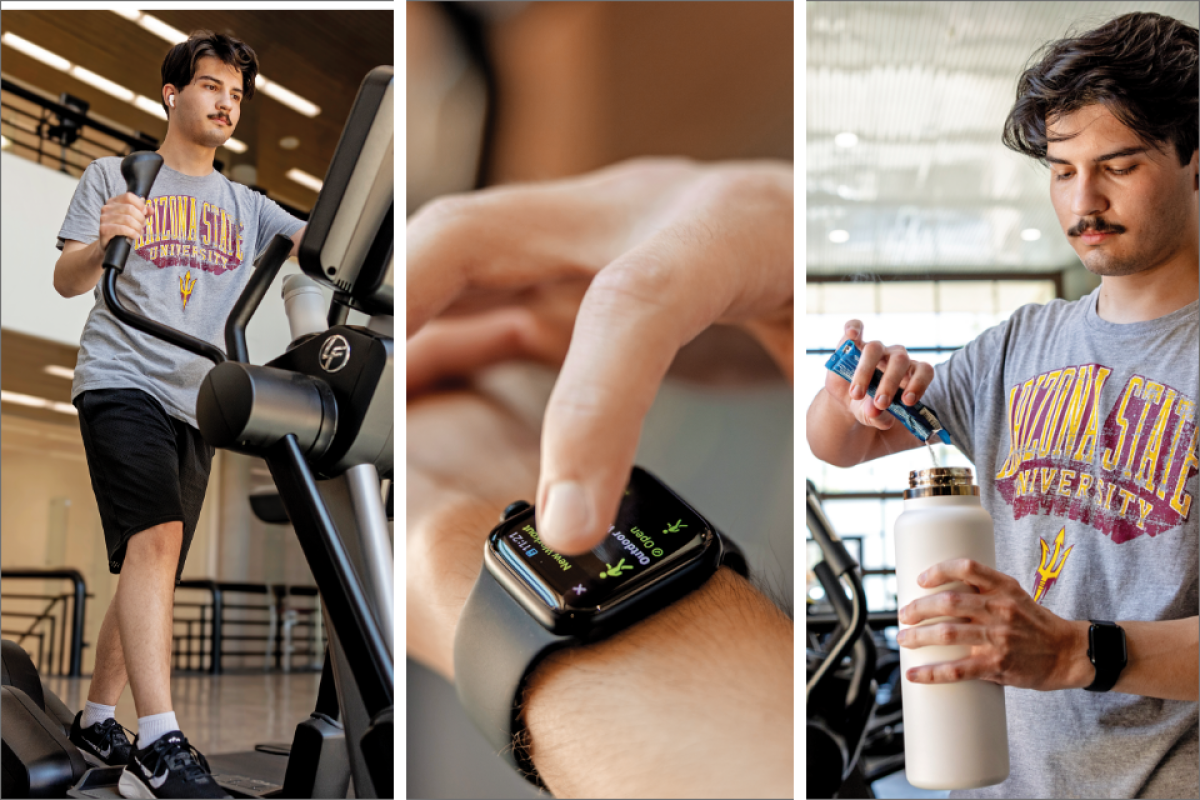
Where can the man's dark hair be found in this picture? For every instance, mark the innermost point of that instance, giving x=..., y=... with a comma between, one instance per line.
x=1141, y=67
x=179, y=67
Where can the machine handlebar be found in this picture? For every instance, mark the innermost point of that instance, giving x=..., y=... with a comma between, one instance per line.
x=265, y=270
x=840, y=565
x=139, y=170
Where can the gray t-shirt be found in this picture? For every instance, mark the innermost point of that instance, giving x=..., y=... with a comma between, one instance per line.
x=186, y=270
x=1083, y=436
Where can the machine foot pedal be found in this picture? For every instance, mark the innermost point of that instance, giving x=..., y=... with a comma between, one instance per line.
x=101, y=782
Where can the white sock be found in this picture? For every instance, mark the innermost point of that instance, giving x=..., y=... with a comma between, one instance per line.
x=152, y=728
x=95, y=713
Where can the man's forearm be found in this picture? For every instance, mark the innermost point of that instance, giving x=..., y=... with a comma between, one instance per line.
x=835, y=436
x=79, y=271
x=695, y=701
x=1164, y=659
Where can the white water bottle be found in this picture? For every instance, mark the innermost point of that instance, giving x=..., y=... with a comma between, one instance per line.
x=955, y=734
x=305, y=305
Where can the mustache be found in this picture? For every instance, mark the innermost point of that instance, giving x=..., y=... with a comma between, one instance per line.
x=1094, y=224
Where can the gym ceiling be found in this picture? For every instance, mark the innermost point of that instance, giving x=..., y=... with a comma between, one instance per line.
x=320, y=55
x=925, y=88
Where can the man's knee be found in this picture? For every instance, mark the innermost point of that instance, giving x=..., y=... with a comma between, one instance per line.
x=158, y=544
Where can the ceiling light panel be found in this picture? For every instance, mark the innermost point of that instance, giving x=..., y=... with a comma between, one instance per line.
x=161, y=29
x=59, y=372
x=150, y=106
x=925, y=88
x=31, y=401
x=103, y=84
x=288, y=98
x=304, y=179
x=33, y=51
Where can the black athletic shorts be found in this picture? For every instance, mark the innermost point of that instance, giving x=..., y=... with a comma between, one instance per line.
x=147, y=467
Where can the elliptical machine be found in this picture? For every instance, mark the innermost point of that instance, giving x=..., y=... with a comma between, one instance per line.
x=321, y=415
x=839, y=699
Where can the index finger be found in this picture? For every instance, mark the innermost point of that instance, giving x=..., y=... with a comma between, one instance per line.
x=864, y=373
x=966, y=570
x=131, y=199
x=633, y=319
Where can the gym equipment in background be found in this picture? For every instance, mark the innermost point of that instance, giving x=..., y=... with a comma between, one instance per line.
x=839, y=698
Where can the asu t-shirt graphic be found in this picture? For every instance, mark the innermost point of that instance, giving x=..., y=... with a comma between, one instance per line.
x=188, y=234
x=1121, y=470
x=1050, y=566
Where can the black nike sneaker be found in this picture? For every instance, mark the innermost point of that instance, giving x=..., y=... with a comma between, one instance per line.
x=168, y=768
x=103, y=744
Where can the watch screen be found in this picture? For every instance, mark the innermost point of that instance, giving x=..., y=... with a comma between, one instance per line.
x=652, y=531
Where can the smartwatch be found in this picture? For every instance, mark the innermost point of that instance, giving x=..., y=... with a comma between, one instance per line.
x=1106, y=651
x=530, y=600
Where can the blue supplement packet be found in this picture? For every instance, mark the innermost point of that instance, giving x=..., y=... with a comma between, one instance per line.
x=919, y=419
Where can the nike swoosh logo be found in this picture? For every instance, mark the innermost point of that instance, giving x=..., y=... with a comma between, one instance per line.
x=105, y=752
x=155, y=780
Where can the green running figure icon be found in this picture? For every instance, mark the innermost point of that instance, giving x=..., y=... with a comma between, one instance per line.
x=613, y=572
x=674, y=527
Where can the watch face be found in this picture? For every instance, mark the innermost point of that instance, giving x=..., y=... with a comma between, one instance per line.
x=654, y=533
x=1106, y=643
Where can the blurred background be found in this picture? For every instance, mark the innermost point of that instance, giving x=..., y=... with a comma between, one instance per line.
x=511, y=91
x=921, y=224
x=80, y=85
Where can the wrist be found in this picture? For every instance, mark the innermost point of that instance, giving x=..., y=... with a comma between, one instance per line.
x=444, y=553
x=670, y=677
x=1075, y=668
x=835, y=435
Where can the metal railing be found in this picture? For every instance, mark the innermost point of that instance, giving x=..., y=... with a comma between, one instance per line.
x=57, y=624
x=248, y=622
x=284, y=631
x=80, y=138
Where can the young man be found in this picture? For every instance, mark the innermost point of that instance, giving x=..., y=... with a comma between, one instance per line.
x=193, y=244
x=1080, y=419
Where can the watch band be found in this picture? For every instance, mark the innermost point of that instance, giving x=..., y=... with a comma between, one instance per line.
x=1106, y=651
x=497, y=644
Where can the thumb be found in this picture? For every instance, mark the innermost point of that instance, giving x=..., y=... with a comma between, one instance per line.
x=460, y=347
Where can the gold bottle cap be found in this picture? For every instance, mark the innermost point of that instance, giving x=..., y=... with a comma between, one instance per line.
x=939, y=482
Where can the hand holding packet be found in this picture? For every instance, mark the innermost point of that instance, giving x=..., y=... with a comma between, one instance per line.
x=918, y=418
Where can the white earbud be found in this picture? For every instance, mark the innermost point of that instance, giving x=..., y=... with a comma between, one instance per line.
x=171, y=100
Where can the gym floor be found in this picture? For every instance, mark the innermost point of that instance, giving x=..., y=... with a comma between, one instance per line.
x=221, y=714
